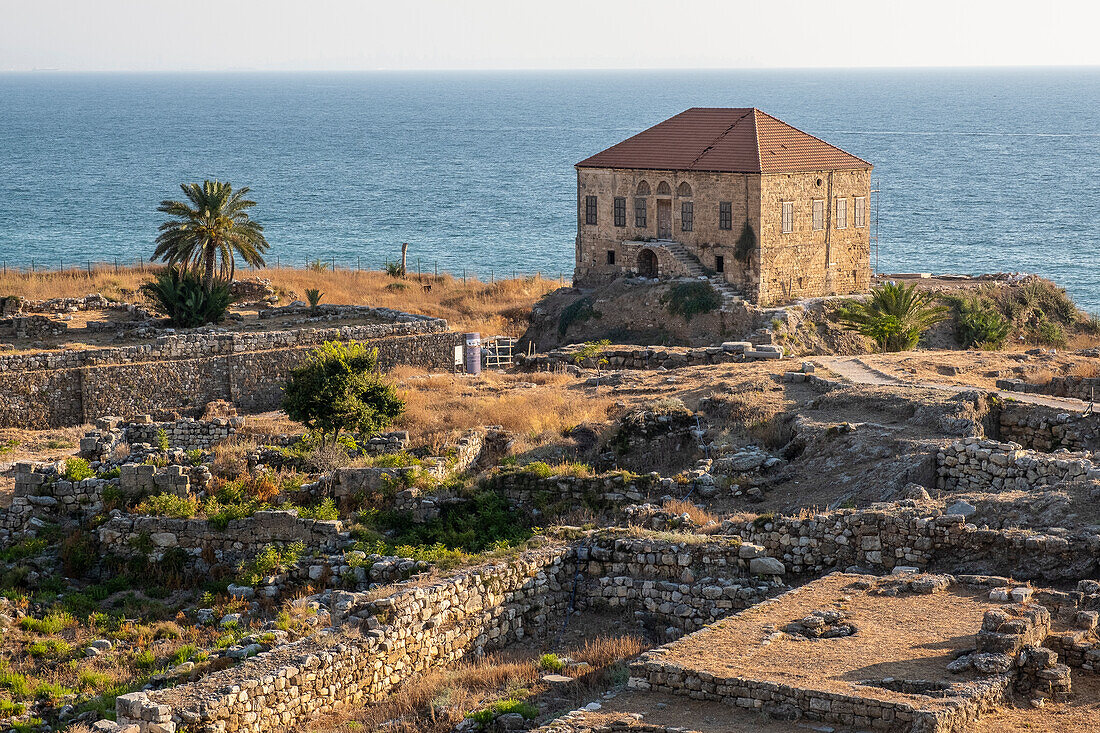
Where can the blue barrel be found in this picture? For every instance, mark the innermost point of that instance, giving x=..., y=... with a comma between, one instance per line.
x=473, y=353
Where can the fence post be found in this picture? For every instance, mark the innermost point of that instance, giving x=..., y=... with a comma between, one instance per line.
x=357, y=267
x=419, y=277
x=463, y=275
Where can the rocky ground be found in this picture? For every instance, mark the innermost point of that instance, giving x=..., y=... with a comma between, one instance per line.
x=686, y=455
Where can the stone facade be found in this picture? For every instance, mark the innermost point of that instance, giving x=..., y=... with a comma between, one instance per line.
x=974, y=464
x=802, y=263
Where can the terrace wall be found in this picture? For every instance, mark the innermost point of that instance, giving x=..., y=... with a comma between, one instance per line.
x=183, y=373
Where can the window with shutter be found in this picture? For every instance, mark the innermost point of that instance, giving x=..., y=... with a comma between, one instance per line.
x=861, y=211
x=788, y=217
x=725, y=215
x=620, y=211
x=687, y=216
x=589, y=209
x=842, y=213
x=640, y=213
x=819, y=214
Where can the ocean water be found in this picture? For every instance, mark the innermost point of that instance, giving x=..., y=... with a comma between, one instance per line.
x=979, y=170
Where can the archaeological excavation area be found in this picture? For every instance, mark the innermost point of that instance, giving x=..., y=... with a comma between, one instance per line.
x=713, y=539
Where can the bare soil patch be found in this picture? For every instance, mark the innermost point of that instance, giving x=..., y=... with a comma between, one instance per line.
x=908, y=637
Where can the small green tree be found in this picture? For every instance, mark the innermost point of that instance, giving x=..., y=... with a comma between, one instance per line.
x=894, y=317
x=338, y=389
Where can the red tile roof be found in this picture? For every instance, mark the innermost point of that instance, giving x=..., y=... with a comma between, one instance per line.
x=727, y=140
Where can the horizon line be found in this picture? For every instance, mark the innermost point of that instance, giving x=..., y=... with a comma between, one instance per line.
x=536, y=69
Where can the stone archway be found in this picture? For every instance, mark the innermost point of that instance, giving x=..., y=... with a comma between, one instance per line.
x=647, y=263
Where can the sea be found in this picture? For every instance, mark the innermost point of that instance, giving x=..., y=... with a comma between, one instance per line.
x=977, y=170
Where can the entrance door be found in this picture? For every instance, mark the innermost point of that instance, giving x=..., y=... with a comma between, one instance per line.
x=664, y=219
x=647, y=263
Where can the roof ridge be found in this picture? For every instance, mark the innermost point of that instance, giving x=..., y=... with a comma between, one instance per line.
x=756, y=139
x=807, y=134
x=718, y=139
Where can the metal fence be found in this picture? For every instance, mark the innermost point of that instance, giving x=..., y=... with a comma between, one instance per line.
x=416, y=268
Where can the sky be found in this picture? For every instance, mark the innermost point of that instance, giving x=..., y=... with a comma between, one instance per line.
x=314, y=35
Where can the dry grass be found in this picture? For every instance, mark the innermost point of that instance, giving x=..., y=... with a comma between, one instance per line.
x=439, y=700
x=1085, y=370
x=496, y=308
x=1039, y=376
x=534, y=406
x=698, y=515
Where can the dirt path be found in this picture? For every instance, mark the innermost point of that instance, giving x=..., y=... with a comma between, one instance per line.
x=857, y=371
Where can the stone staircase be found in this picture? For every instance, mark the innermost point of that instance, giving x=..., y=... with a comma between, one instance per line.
x=694, y=268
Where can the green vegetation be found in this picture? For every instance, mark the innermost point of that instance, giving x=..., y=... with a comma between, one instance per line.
x=551, y=663
x=502, y=707
x=894, y=317
x=979, y=325
x=186, y=299
x=77, y=469
x=313, y=295
x=210, y=235
x=576, y=312
x=393, y=269
x=690, y=299
x=746, y=244
x=341, y=389
x=162, y=439
x=325, y=511
x=272, y=559
x=592, y=352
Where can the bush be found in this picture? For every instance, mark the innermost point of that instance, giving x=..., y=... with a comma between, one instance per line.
x=894, y=317
x=168, y=505
x=326, y=511
x=313, y=295
x=162, y=440
x=341, y=389
x=551, y=663
x=77, y=469
x=270, y=560
x=184, y=298
x=691, y=299
x=393, y=269
x=981, y=326
x=78, y=553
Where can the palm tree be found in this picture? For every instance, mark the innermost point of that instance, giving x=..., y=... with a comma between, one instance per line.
x=894, y=317
x=215, y=229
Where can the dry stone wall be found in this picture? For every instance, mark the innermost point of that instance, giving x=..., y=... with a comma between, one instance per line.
x=653, y=357
x=184, y=372
x=973, y=464
x=209, y=548
x=1046, y=429
x=403, y=634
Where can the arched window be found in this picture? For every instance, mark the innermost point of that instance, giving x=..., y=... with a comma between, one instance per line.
x=663, y=189
x=683, y=190
x=643, y=189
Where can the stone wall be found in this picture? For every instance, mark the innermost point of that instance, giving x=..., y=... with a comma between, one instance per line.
x=882, y=540
x=183, y=373
x=42, y=495
x=184, y=434
x=212, y=549
x=1047, y=429
x=674, y=587
x=403, y=634
x=973, y=464
x=652, y=357
x=1081, y=388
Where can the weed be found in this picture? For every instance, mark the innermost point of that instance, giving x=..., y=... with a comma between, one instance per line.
x=690, y=299
x=77, y=469
x=551, y=663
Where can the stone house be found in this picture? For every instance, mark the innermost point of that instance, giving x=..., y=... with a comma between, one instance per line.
x=767, y=212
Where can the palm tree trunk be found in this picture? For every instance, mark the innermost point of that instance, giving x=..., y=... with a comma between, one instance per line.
x=208, y=275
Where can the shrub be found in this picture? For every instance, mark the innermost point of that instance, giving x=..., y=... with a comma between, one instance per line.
x=326, y=511
x=270, y=560
x=168, y=505
x=50, y=648
x=313, y=295
x=981, y=326
x=393, y=269
x=162, y=439
x=894, y=317
x=341, y=389
x=78, y=553
x=144, y=659
x=690, y=299
x=77, y=469
x=183, y=654
x=551, y=663
x=185, y=299
x=50, y=624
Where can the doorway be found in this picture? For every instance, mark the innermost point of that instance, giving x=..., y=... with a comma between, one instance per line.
x=647, y=263
x=664, y=218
